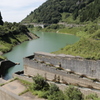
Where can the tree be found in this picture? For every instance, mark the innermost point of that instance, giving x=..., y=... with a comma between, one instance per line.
x=55, y=93
x=40, y=83
x=56, y=96
x=75, y=14
x=72, y=93
x=53, y=88
x=23, y=28
x=1, y=22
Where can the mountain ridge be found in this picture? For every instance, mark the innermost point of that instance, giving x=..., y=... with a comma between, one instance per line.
x=54, y=11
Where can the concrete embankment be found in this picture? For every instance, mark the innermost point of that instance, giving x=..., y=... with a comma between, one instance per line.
x=31, y=36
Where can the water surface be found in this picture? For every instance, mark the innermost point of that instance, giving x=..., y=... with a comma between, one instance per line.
x=48, y=42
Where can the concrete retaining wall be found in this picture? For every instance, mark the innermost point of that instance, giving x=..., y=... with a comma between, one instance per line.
x=23, y=77
x=32, y=68
x=76, y=64
x=44, y=65
x=6, y=95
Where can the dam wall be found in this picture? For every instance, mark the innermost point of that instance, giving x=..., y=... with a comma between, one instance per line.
x=74, y=63
x=53, y=72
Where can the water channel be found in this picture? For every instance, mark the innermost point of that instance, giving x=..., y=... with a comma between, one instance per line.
x=48, y=42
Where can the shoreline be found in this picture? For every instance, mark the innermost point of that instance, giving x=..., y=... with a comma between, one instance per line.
x=30, y=36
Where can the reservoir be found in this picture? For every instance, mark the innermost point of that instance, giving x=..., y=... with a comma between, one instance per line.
x=48, y=42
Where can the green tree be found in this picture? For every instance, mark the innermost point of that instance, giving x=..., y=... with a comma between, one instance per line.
x=56, y=96
x=39, y=83
x=55, y=93
x=53, y=88
x=1, y=21
x=72, y=93
x=23, y=28
x=75, y=14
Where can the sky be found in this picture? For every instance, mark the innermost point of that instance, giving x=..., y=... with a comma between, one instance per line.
x=17, y=10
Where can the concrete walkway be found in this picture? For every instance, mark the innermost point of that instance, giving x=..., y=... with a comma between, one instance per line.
x=29, y=96
x=16, y=87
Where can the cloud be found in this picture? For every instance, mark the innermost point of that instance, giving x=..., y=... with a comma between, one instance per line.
x=16, y=10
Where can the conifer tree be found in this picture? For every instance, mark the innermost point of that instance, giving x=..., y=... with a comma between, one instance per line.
x=1, y=21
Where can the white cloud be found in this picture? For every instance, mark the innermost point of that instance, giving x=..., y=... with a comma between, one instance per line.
x=16, y=10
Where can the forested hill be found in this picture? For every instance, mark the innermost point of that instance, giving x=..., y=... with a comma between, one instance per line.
x=53, y=11
x=12, y=34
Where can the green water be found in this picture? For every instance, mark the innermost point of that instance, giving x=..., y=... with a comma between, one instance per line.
x=48, y=42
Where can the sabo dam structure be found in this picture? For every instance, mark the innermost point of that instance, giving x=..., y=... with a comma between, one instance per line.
x=49, y=65
x=62, y=70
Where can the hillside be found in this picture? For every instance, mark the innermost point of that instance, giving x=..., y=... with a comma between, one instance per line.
x=12, y=34
x=84, y=13
x=54, y=11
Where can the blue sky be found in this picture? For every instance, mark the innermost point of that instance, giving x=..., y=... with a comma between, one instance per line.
x=16, y=10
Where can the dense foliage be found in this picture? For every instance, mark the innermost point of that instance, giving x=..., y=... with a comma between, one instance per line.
x=54, y=11
x=11, y=34
x=40, y=83
x=90, y=12
x=12, y=28
x=55, y=93
x=73, y=94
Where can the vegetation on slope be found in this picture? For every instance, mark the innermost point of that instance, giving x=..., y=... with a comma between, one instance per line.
x=11, y=34
x=89, y=44
x=87, y=48
x=90, y=12
x=42, y=89
x=54, y=11
x=50, y=91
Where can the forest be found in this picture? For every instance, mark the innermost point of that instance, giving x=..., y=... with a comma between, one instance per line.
x=54, y=11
